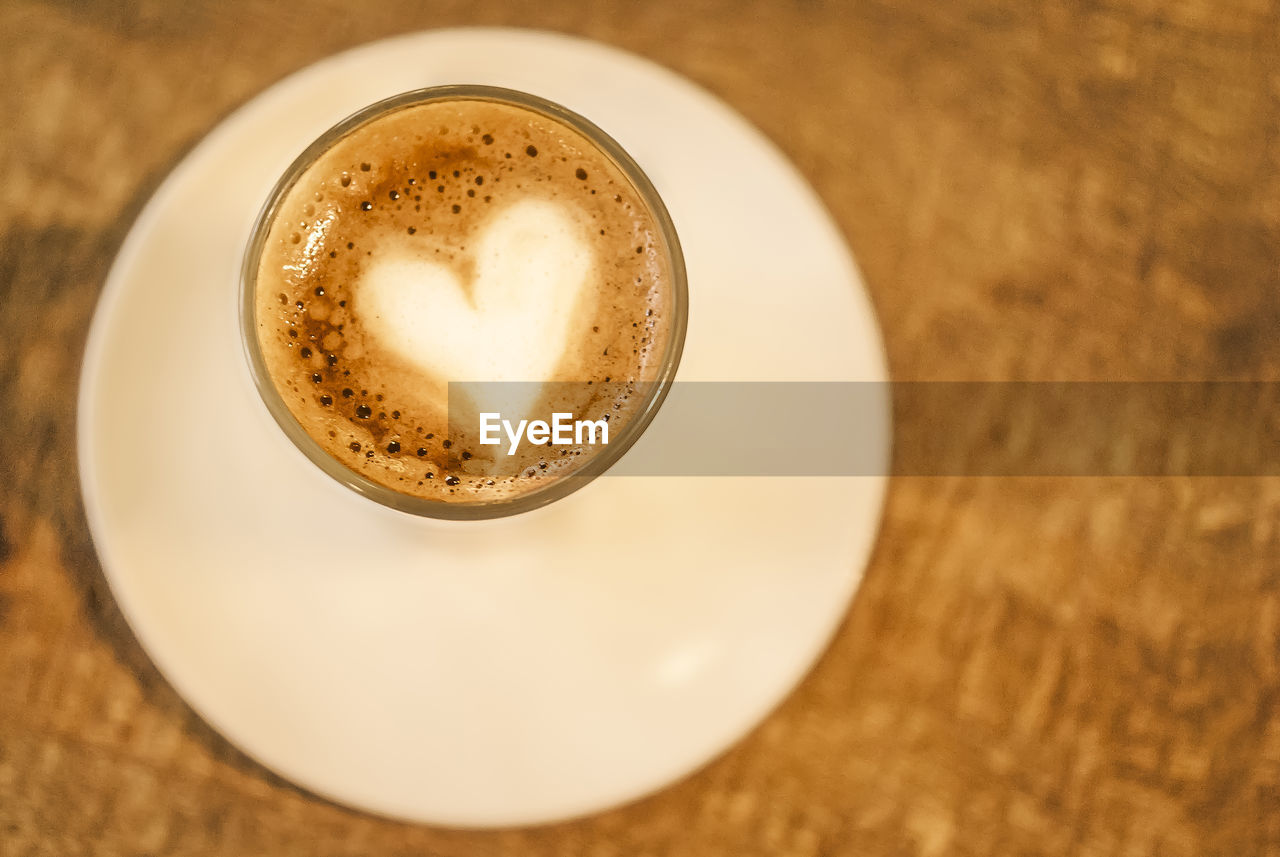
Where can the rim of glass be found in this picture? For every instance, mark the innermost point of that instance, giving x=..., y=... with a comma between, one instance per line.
x=556, y=489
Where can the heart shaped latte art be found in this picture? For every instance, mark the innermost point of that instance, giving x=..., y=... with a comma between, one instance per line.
x=511, y=322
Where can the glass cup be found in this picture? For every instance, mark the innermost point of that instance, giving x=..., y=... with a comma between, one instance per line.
x=654, y=391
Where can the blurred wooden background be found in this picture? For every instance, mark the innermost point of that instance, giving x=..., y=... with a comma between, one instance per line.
x=1058, y=190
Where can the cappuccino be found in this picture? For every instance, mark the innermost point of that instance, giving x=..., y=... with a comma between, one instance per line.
x=449, y=251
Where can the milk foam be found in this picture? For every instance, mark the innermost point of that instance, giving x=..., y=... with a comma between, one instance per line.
x=511, y=322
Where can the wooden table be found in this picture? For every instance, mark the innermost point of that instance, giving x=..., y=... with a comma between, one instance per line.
x=1085, y=191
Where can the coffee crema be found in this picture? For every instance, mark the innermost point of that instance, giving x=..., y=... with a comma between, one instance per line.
x=465, y=240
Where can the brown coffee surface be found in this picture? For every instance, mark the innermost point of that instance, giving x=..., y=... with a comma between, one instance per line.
x=426, y=182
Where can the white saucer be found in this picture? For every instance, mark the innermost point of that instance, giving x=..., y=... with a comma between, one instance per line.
x=491, y=673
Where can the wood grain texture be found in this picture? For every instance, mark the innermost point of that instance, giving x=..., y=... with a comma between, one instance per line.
x=1058, y=190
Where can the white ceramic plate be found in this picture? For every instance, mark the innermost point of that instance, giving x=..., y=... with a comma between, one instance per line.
x=491, y=673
